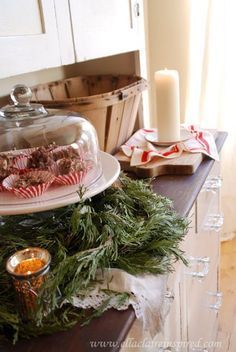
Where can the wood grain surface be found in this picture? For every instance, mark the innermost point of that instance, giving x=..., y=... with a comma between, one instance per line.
x=227, y=316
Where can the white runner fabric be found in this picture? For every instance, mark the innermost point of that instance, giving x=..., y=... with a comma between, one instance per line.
x=147, y=295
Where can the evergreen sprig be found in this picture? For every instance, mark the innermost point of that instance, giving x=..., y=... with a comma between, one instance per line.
x=127, y=226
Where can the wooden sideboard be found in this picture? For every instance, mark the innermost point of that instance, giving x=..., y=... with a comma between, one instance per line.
x=193, y=314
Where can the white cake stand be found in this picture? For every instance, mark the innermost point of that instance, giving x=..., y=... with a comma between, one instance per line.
x=57, y=197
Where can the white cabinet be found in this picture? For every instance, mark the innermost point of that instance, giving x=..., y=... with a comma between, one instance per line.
x=39, y=34
x=29, y=36
x=102, y=28
x=192, y=322
x=193, y=290
x=203, y=298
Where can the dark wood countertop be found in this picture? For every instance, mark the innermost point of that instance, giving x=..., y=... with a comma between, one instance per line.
x=107, y=332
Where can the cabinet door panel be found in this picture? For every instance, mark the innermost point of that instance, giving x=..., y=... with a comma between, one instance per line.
x=13, y=18
x=202, y=317
x=201, y=294
x=102, y=28
x=28, y=36
x=172, y=325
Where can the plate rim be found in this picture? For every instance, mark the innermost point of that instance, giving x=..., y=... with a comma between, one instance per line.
x=108, y=176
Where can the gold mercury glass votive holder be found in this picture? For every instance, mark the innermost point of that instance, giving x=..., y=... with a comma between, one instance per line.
x=29, y=270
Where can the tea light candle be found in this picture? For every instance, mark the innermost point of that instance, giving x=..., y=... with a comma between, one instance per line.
x=29, y=266
x=28, y=269
x=167, y=100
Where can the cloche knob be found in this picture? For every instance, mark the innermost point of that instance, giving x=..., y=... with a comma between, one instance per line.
x=21, y=95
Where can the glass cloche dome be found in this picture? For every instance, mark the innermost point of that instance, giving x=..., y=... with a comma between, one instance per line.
x=41, y=149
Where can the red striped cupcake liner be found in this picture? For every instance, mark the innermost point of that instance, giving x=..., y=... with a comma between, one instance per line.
x=10, y=171
x=73, y=178
x=20, y=162
x=30, y=191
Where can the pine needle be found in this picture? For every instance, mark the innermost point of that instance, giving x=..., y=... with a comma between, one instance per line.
x=127, y=227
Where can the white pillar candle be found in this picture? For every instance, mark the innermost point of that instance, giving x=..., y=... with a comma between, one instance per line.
x=167, y=101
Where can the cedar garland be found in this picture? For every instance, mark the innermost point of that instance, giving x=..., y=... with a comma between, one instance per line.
x=127, y=227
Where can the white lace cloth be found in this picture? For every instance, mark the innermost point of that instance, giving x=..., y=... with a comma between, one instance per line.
x=147, y=294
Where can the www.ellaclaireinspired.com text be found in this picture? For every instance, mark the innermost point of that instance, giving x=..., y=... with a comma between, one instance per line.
x=149, y=343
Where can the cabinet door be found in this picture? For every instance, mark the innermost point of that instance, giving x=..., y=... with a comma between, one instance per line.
x=29, y=37
x=102, y=28
x=202, y=302
x=175, y=322
x=202, y=296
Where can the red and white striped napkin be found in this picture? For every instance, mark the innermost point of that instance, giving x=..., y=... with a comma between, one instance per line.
x=141, y=151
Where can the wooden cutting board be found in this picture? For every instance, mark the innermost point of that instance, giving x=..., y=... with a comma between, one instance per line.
x=186, y=164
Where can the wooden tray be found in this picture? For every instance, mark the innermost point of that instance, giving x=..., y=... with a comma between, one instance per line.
x=186, y=164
